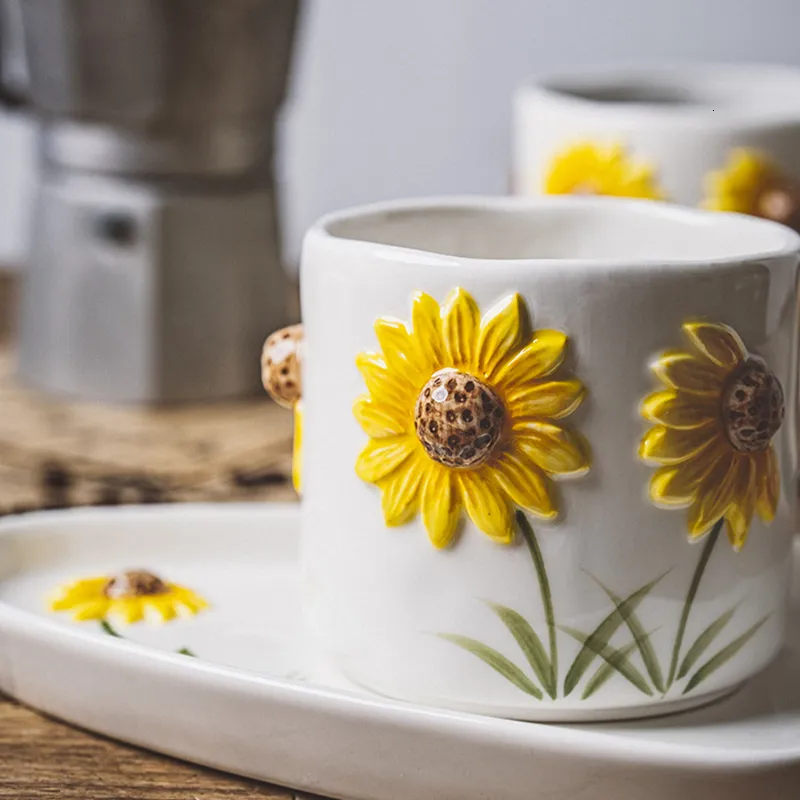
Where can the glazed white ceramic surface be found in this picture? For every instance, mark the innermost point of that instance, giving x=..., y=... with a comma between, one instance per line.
x=619, y=277
x=683, y=121
x=261, y=700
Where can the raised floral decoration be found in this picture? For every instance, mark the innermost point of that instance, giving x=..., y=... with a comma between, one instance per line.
x=282, y=375
x=130, y=596
x=751, y=184
x=464, y=413
x=713, y=425
x=589, y=168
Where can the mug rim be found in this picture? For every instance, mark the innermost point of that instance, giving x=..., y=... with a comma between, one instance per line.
x=786, y=241
x=574, y=90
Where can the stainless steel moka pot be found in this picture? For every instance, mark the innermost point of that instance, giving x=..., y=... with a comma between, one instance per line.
x=154, y=269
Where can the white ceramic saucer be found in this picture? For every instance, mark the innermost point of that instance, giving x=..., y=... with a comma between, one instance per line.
x=260, y=701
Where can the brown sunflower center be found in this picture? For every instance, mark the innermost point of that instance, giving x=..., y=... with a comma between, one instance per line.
x=458, y=419
x=778, y=199
x=134, y=583
x=752, y=406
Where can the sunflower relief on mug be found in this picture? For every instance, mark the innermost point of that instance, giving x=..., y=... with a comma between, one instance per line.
x=725, y=138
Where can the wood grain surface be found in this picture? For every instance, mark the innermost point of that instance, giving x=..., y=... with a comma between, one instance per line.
x=41, y=758
x=56, y=453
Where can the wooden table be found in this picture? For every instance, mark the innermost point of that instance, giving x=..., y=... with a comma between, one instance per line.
x=55, y=453
x=42, y=758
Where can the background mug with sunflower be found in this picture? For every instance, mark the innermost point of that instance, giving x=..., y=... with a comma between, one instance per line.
x=726, y=138
x=530, y=428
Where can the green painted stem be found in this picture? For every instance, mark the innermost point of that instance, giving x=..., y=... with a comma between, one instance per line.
x=109, y=629
x=687, y=605
x=547, y=599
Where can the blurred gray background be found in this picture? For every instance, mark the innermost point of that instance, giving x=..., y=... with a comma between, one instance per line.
x=393, y=99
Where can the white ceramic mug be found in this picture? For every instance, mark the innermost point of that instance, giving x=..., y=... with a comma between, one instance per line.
x=547, y=473
x=723, y=137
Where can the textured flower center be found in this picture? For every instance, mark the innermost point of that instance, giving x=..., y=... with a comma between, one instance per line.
x=778, y=198
x=134, y=583
x=776, y=204
x=752, y=406
x=458, y=419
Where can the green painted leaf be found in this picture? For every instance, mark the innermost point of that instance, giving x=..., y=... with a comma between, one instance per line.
x=604, y=672
x=497, y=661
x=703, y=642
x=617, y=659
x=109, y=629
x=599, y=638
x=641, y=640
x=547, y=598
x=530, y=644
x=721, y=658
x=185, y=651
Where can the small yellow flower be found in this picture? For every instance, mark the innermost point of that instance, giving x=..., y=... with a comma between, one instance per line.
x=751, y=184
x=589, y=168
x=464, y=413
x=712, y=436
x=129, y=597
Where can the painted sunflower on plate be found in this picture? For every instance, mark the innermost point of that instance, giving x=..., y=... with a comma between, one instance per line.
x=589, y=168
x=712, y=436
x=130, y=596
x=751, y=184
x=465, y=413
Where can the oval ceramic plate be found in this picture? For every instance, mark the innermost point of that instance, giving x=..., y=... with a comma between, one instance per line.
x=258, y=699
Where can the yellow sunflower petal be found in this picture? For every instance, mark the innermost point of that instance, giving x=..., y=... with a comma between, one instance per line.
x=678, y=485
x=714, y=497
x=187, y=598
x=460, y=327
x=740, y=514
x=400, y=493
x=540, y=357
x=690, y=374
x=163, y=607
x=90, y=586
x=718, y=343
x=768, y=485
x=379, y=421
x=662, y=445
x=441, y=506
x=500, y=333
x=558, y=451
x=128, y=610
x=384, y=385
x=60, y=603
x=79, y=591
x=486, y=504
x=91, y=609
x=551, y=399
x=600, y=168
x=526, y=484
x=737, y=186
x=426, y=324
x=297, y=448
x=676, y=409
x=395, y=342
x=381, y=457
x=398, y=350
